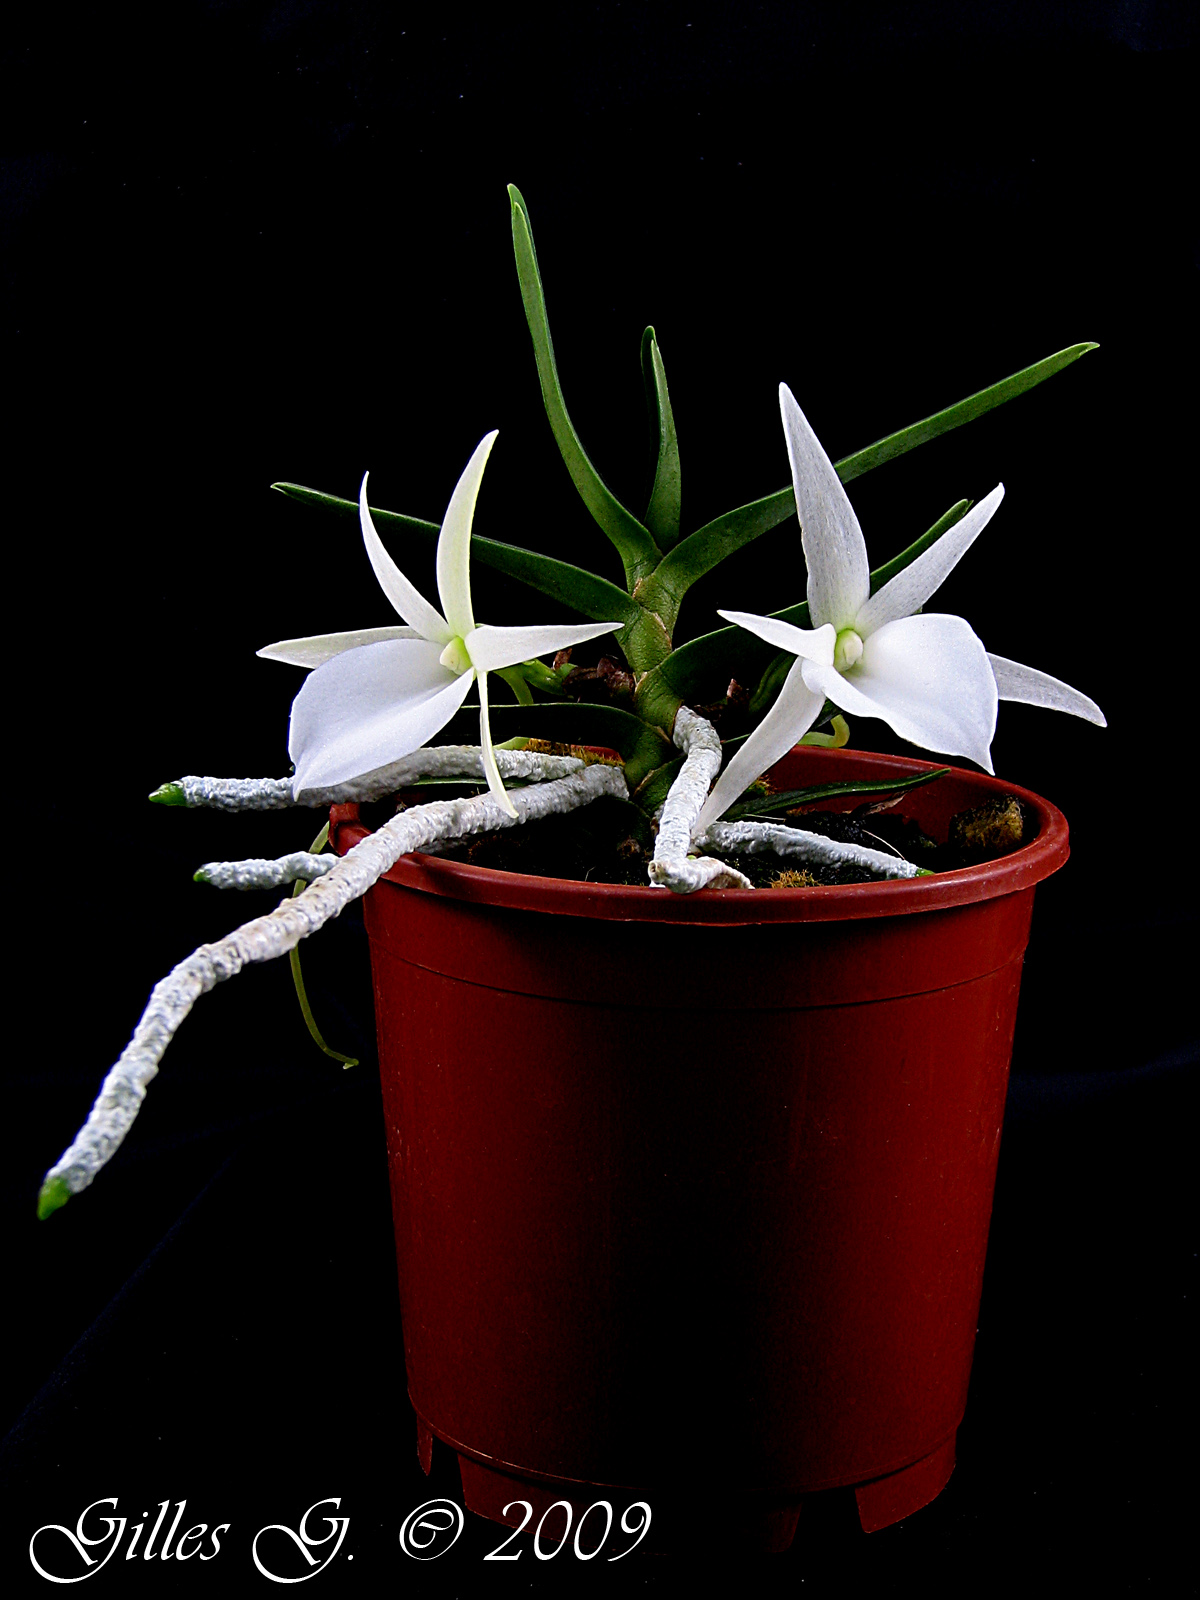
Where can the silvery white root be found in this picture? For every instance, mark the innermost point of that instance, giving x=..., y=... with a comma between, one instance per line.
x=281, y=930
x=754, y=837
x=442, y=761
x=259, y=873
x=671, y=867
x=227, y=794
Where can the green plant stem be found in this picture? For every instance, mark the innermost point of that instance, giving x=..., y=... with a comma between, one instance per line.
x=513, y=678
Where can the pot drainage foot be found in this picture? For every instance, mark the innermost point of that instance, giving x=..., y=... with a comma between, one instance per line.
x=891, y=1499
x=758, y=1522
x=763, y=1526
x=490, y=1494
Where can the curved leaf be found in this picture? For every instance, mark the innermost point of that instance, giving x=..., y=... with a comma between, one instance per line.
x=705, y=549
x=975, y=405
x=595, y=598
x=662, y=514
x=637, y=549
x=349, y=508
x=775, y=804
x=701, y=551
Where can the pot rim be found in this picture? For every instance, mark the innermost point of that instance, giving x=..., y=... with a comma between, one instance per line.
x=459, y=880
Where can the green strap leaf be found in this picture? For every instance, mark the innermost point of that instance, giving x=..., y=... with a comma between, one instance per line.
x=634, y=543
x=662, y=514
x=705, y=549
x=582, y=591
x=975, y=405
x=349, y=508
x=775, y=804
x=708, y=546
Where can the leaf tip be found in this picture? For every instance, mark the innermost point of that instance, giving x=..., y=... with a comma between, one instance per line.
x=52, y=1196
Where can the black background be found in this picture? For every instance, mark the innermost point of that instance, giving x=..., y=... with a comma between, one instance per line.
x=246, y=242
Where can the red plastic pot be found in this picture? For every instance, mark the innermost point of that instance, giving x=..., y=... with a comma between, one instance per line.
x=692, y=1193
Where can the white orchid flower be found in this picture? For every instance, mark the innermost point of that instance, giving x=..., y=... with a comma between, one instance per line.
x=928, y=677
x=378, y=694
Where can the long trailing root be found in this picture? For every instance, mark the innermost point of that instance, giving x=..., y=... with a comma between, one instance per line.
x=754, y=837
x=443, y=761
x=281, y=930
x=672, y=868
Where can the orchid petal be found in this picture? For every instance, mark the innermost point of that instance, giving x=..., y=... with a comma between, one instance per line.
x=492, y=771
x=409, y=602
x=492, y=648
x=319, y=648
x=788, y=720
x=366, y=708
x=839, y=579
x=1033, y=688
x=908, y=591
x=816, y=644
x=454, y=543
x=928, y=678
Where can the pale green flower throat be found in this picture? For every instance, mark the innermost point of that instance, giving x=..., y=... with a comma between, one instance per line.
x=847, y=649
x=455, y=656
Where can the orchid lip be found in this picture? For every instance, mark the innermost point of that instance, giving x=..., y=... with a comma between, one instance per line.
x=847, y=649
x=456, y=656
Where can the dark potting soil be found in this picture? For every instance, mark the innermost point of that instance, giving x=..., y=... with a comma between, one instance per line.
x=612, y=841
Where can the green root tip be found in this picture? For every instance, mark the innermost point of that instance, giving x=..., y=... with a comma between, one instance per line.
x=923, y=872
x=169, y=794
x=200, y=876
x=52, y=1196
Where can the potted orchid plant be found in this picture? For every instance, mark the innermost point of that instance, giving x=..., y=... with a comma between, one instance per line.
x=709, y=756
